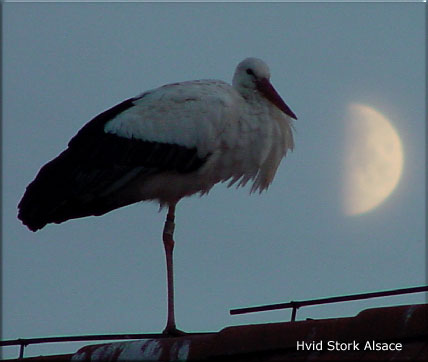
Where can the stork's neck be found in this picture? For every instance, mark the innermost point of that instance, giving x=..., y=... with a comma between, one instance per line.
x=251, y=95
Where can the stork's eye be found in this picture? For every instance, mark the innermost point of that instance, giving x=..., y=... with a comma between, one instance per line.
x=250, y=71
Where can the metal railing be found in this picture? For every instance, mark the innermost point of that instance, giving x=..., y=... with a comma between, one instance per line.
x=295, y=305
x=301, y=303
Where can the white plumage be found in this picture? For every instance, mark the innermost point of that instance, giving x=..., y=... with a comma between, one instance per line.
x=166, y=144
x=244, y=133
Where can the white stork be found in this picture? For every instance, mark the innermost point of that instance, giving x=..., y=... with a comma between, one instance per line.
x=163, y=145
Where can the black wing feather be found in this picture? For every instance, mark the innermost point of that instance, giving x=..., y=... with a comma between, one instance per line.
x=81, y=181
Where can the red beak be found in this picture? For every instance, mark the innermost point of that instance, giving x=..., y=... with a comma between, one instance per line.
x=266, y=88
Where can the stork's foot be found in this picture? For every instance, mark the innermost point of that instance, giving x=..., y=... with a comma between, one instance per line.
x=173, y=332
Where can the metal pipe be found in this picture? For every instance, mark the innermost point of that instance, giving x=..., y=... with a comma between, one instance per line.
x=345, y=298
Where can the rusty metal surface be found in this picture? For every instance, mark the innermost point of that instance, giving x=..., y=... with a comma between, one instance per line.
x=24, y=342
x=173, y=349
x=278, y=341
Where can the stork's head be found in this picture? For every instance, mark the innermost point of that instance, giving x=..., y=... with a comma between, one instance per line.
x=249, y=72
x=253, y=74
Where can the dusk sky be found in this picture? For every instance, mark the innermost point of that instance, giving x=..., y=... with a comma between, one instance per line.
x=344, y=215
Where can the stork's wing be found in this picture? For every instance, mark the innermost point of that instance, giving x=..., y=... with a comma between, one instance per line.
x=191, y=114
x=167, y=129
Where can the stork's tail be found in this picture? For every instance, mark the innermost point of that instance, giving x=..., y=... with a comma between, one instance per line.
x=29, y=215
x=45, y=195
x=66, y=188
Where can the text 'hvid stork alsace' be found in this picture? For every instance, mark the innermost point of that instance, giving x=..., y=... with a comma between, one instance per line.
x=163, y=145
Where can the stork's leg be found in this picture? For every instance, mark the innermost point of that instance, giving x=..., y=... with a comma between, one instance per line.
x=168, y=242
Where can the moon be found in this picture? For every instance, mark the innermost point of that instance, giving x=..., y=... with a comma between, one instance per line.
x=373, y=159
